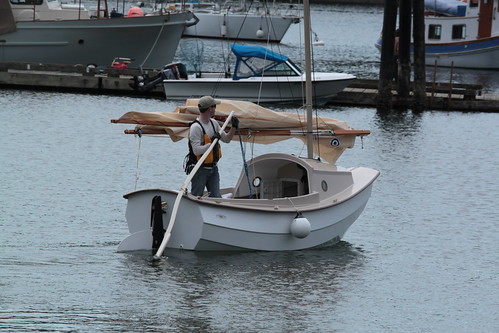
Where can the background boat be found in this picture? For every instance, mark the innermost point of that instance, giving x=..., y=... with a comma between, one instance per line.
x=241, y=20
x=259, y=75
x=462, y=34
x=51, y=32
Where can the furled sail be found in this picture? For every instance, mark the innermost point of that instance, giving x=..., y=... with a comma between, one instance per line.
x=257, y=125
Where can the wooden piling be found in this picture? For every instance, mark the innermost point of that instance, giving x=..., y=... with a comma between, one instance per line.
x=404, y=52
x=418, y=33
x=386, y=70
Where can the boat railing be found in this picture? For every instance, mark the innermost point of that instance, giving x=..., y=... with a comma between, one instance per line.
x=266, y=203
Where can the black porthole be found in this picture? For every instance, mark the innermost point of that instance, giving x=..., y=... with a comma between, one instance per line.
x=324, y=186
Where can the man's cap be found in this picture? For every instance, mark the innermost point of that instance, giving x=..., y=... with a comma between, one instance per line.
x=207, y=101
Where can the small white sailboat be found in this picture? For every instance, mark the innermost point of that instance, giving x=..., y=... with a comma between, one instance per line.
x=280, y=202
x=47, y=31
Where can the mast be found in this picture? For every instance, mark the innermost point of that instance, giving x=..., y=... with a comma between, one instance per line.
x=308, y=78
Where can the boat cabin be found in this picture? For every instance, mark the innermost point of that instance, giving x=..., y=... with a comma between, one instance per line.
x=274, y=176
x=451, y=21
x=47, y=10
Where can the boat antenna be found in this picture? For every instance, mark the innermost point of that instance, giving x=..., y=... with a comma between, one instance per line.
x=308, y=78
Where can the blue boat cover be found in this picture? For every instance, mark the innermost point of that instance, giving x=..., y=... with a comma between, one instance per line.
x=258, y=52
x=253, y=61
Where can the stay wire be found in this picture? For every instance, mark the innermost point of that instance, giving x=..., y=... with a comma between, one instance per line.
x=137, y=167
x=154, y=44
x=244, y=162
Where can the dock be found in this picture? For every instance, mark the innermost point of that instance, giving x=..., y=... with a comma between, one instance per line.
x=77, y=78
x=362, y=92
x=440, y=96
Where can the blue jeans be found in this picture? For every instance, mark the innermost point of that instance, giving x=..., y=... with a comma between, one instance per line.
x=208, y=178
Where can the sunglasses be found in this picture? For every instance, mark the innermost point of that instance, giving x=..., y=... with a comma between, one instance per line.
x=213, y=106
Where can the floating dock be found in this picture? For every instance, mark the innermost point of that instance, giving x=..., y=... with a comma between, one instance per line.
x=362, y=92
x=440, y=96
x=76, y=78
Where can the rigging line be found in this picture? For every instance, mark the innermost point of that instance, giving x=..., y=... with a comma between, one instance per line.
x=244, y=162
x=154, y=44
x=226, y=68
x=269, y=21
x=292, y=203
x=137, y=168
x=244, y=20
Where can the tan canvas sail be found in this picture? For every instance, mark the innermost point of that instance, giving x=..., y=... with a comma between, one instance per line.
x=257, y=125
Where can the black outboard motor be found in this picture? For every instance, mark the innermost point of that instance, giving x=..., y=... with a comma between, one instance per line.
x=157, y=222
x=175, y=71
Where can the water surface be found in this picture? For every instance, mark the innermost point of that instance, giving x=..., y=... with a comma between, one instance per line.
x=421, y=258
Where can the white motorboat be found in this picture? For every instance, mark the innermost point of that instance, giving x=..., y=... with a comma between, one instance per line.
x=461, y=34
x=241, y=21
x=280, y=201
x=46, y=31
x=260, y=75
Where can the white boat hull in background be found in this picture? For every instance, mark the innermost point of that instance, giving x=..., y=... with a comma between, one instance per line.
x=258, y=89
x=239, y=27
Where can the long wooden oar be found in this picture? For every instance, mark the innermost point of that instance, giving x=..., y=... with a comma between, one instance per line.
x=183, y=189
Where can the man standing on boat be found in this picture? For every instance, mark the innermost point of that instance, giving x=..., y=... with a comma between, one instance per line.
x=202, y=132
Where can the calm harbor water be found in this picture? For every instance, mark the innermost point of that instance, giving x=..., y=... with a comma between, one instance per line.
x=422, y=258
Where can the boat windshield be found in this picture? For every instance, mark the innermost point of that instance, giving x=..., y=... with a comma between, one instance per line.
x=26, y=2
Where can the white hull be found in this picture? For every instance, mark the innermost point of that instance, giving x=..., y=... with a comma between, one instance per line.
x=215, y=224
x=252, y=27
x=96, y=41
x=257, y=89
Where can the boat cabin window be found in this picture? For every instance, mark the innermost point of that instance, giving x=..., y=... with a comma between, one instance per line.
x=280, y=70
x=434, y=31
x=459, y=31
x=252, y=66
x=26, y=2
x=474, y=3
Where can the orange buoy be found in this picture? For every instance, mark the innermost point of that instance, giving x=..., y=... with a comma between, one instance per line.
x=135, y=11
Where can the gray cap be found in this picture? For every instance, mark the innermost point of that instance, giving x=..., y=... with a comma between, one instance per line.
x=207, y=101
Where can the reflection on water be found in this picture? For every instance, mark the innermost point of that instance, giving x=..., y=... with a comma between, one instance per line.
x=242, y=282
